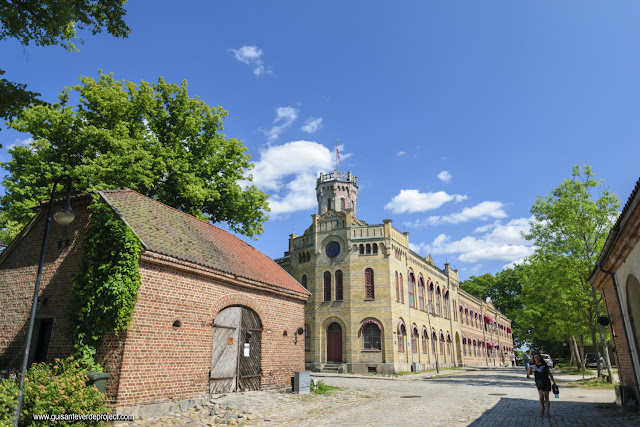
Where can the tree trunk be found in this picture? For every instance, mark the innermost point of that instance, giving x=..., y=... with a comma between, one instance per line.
x=577, y=351
x=594, y=340
x=603, y=341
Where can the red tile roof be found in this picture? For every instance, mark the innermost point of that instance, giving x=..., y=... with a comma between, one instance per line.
x=168, y=231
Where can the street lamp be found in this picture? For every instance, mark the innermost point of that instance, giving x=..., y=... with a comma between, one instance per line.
x=64, y=216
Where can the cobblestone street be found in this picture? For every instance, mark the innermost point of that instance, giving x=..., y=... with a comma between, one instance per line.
x=496, y=397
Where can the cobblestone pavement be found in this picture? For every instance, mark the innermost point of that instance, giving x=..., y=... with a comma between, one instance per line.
x=483, y=397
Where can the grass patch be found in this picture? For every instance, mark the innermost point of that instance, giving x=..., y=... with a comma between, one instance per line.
x=574, y=370
x=322, y=388
x=592, y=383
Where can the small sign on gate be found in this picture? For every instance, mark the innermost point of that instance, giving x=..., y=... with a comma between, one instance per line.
x=229, y=341
x=246, y=349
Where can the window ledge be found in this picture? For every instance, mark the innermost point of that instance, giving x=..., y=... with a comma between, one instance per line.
x=371, y=351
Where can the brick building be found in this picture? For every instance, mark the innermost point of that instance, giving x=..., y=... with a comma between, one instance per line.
x=617, y=276
x=377, y=306
x=204, y=294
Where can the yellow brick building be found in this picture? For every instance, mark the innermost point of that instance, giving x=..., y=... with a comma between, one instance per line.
x=377, y=306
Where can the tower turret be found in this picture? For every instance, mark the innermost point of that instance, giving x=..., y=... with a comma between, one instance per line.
x=337, y=191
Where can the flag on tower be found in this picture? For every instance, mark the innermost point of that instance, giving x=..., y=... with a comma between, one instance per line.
x=337, y=152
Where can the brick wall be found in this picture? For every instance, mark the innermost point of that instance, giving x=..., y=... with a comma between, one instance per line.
x=18, y=271
x=161, y=362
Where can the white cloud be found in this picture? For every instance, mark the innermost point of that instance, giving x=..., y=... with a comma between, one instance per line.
x=21, y=142
x=498, y=243
x=251, y=55
x=483, y=211
x=415, y=201
x=400, y=153
x=444, y=176
x=312, y=125
x=285, y=116
x=289, y=171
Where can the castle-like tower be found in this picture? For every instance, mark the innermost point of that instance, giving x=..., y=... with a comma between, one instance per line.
x=337, y=191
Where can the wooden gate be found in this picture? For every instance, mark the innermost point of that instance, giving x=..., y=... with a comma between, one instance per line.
x=334, y=343
x=231, y=367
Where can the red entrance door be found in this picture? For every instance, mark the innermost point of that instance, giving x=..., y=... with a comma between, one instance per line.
x=334, y=343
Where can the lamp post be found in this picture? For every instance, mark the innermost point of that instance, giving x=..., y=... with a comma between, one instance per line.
x=63, y=216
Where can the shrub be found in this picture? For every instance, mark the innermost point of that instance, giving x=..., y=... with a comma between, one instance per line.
x=8, y=401
x=52, y=389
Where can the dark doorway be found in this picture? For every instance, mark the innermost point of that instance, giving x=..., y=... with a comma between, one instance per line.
x=40, y=340
x=334, y=343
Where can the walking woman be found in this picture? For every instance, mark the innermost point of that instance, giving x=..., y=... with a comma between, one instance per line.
x=542, y=374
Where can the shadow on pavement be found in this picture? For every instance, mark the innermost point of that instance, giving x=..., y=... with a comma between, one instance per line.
x=526, y=412
x=499, y=380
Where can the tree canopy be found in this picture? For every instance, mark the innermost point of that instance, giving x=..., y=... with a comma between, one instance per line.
x=53, y=22
x=152, y=138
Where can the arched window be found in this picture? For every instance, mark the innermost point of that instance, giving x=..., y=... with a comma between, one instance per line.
x=304, y=281
x=397, y=288
x=464, y=346
x=438, y=301
x=425, y=337
x=327, y=286
x=431, y=306
x=371, y=336
x=339, y=295
x=445, y=308
x=368, y=249
x=448, y=344
x=414, y=339
x=412, y=288
x=368, y=284
x=402, y=334
x=361, y=249
x=328, y=204
x=434, y=338
x=421, y=293
x=441, y=343
x=375, y=249
x=307, y=338
x=342, y=204
x=475, y=354
x=401, y=289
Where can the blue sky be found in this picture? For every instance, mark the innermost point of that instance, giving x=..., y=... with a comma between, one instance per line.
x=454, y=116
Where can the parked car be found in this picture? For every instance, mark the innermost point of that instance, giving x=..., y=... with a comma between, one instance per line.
x=547, y=359
x=591, y=360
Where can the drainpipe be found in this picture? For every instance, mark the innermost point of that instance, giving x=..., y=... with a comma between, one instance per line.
x=624, y=327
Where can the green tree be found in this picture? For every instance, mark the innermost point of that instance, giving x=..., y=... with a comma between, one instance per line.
x=504, y=289
x=53, y=22
x=152, y=138
x=570, y=227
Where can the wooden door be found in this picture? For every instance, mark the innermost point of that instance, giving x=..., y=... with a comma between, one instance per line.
x=249, y=371
x=224, y=360
x=334, y=343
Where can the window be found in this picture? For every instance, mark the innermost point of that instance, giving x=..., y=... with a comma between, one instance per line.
x=441, y=343
x=375, y=249
x=368, y=249
x=421, y=293
x=304, y=281
x=414, y=339
x=412, y=290
x=438, y=301
x=401, y=289
x=448, y=344
x=397, y=288
x=327, y=286
x=361, y=249
x=307, y=338
x=431, y=297
x=464, y=346
x=371, y=336
x=328, y=204
x=339, y=295
x=342, y=204
x=368, y=284
x=425, y=348
x=446, y=304
x=402, y=333
x=434, y=338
